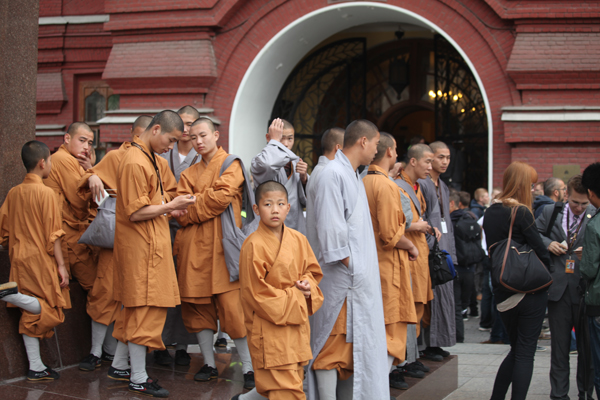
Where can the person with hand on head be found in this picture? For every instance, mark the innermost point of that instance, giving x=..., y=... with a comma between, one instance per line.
x=279, y=277
x=394, y=251
x=278, y=162
x=563, y=230
x=145, y=280
x=204, y=280
x=31, y=231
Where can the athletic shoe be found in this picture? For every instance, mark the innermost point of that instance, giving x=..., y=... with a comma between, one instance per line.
x=418, y=365
x=90, y=363
x=474, y=313
x=236, y=397
x=249, y=380
x=8, y=288
x=162, y=357
x=119, y=374
x=440, y=351
x=221, y=342
x=149, y=388
x=484, y=329
x=107, y=357
x=465, y=316
x=206, y=373
x=397, y=380
x=46, y=375
x=429, y=355
x=489, y=341
x=540, y=348
x=407, y=370
x=182, y=358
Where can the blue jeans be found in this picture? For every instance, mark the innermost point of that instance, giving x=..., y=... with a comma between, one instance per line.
x=486, y=319
x=594, y=324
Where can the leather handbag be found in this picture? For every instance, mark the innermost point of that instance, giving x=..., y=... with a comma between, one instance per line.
x=441, y=267
x=516, y=267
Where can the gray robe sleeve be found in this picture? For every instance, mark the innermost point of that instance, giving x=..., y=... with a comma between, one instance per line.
x=405, y=201
x=267, y=164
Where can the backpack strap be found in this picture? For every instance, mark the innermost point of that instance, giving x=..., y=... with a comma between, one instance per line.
x=411, y=193
x=557, y=207
x=248, y=193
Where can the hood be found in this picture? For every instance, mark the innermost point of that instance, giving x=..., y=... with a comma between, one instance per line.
x=542, y=201
x=475, y=204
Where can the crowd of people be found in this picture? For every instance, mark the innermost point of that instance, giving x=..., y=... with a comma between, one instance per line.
x=330, y=295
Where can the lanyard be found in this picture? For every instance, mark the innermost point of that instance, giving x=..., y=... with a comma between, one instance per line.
x=153, y=161
x=574, y=238
x=375, y=173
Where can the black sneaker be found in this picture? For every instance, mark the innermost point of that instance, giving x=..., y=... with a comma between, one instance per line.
x=418, y=365
x=440, y=351
x=149, y=388
x=182, y=358
x=397, y=380
x=221, y=342
x=119, y=374
x=409, y=370
x=90, y=363
x=206, y=373
x=107, y=357
x=8, y=288
x=46, y=375
x=249, y=380
x=465, y=315
x=162, y=357
x=236, y=397
x=429, y=355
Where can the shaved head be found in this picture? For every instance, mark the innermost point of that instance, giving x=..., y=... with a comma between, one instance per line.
x=331, y=138
x=385, y=142
x=287, y=124
x=189, y=110
x=75, y=126
x=437, y=146
x=142, y=122
x=169, y=121
x=269, y=186
x=32, y=152
x=357, y=130
x=417, y=151
x=205, y=120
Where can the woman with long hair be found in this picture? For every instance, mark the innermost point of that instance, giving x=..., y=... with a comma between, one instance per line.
x=522, y=314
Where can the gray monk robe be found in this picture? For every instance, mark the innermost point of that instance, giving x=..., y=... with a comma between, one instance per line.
x=269, y=165
x=344, y=229
x=442, y=329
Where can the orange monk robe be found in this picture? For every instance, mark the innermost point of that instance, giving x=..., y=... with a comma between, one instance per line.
x=276, y=312
x=30, y=223
x=389, y=223
x=419, y=269
x=143, y=261
x=80, y=259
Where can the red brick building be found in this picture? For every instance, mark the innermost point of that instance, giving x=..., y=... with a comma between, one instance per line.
x=500, y=80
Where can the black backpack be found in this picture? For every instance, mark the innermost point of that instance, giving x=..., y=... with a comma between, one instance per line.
x=467, y=239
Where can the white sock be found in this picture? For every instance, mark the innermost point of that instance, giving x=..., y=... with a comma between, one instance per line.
x=327, y=383
x=390, y=362
x=181, y=347
x=110, y=343
x=205, y=340
x=32, y=347
x=121, y=353
x=242, y=348
x=403, y=363
x=345, y=389
x=27, y=303
x=137, y=356
x=98, y=333
x=251, y=395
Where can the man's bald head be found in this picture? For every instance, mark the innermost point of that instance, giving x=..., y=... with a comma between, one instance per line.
x=189, y=110
x=269, y=186
x=386, y=141
x=169, y=121
x=32, y=152
x=357, y=130
x=139, y=126
x=437, y=146
x=331, y=138
x=207, y=121
x=76, y=126
x=417, y=151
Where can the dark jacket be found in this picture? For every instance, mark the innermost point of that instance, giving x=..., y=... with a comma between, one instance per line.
x=476, y=209
x=590, y=263
x=539, y=203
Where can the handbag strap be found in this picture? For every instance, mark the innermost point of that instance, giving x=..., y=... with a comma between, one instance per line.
x=513, y=216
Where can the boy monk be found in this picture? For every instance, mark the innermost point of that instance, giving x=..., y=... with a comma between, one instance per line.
x=393, y=251
x=277, y=162
x=30, y=228
x=349, y=330
x=145, y=281
x=202, y=273
x=279, y=275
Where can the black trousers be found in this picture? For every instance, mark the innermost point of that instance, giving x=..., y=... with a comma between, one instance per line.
x=563, y=315
x=523, y=324
x=463, y=286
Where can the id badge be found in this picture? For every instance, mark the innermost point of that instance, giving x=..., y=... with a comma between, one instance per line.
x=570, y=266
x=444, y=227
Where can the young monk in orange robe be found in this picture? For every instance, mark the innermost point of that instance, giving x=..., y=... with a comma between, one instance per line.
x=202, y=273
x=393, y=252
x=30, y=228
x=143, y=261
x=279, y=274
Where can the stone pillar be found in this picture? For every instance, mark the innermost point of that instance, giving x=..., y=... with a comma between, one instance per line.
x=18, y=74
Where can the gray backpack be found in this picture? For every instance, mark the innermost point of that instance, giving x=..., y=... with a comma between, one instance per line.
x=233, y=237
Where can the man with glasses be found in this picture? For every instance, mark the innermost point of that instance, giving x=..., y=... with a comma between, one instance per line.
x=562, y=231
x=554, y=191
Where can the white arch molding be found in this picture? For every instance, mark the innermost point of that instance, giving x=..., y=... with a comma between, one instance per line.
x=268, y=71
